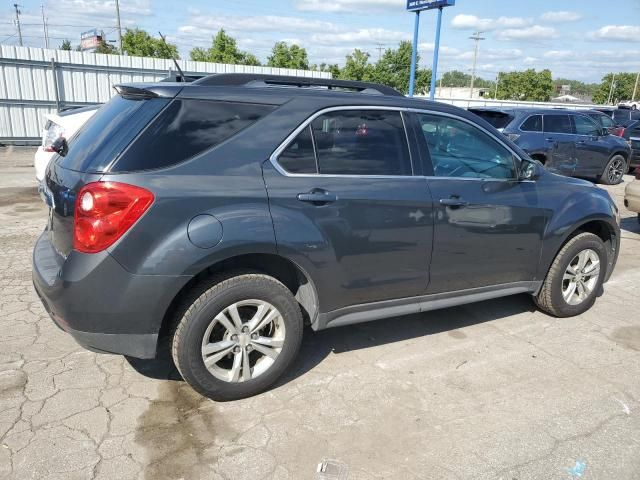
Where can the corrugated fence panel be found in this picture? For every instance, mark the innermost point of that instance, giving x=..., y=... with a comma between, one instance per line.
x=28, y=78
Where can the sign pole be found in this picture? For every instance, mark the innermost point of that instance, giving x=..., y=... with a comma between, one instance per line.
x=436, y=48
x=414, y=54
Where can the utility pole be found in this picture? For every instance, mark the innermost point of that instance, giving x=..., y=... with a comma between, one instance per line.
x=635, y=87
x=44, y=28
x=119, y=28
x=495, y=95
x=613, y=82
x=476, y=37
x=380, y=48
x=18, y=12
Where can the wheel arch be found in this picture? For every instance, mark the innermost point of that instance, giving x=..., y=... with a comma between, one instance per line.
x=289, y=273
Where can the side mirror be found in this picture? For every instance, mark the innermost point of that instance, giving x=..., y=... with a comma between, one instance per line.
x=60, y=146
x=529, y=170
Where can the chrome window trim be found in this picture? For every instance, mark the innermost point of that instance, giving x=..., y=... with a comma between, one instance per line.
x=481, y=128
x=273, y=158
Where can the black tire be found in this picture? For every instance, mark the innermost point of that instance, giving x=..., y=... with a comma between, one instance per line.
x=550, y=298
x=614, y=171
x=207, y=300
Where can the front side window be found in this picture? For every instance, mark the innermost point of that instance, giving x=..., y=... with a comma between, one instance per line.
x=459, y=149
x=585, y=126
x=557, y=124
x=605, y=121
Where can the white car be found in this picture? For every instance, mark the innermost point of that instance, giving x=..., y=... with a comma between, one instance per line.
x=63, y=124
x=632, y=104
x=632, y=195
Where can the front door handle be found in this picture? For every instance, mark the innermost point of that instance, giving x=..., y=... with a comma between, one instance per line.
x=317, y=197
x=453, y=202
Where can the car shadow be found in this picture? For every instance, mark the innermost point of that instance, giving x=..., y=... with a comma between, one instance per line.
x=316, y=346
x=630, y=224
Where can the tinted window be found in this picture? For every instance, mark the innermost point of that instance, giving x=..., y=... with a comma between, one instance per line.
x=585, y=126
x=497, y=119
x=299, y=157
x=605, y=121
x=557, y=124
x=361, y=142
x=622, y=116
x=108, y=132
x=186, y=128
x=458, y=149
x=532, y=124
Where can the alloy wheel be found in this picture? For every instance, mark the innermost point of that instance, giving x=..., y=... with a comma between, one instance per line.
x=615, y=171
x=580, y=277
x=243, y=340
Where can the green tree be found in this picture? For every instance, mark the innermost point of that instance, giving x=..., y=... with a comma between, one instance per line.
x=333, y=68
x=138, y=43
x=104, y=47
x=66, y=45
x=394, y=67
x=224, y=49
x=455, y=78
x=623, y=84
x=285, y=56
x=526, y=85
x=357, y=67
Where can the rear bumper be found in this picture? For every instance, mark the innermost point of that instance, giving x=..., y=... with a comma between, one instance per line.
x=103, y=306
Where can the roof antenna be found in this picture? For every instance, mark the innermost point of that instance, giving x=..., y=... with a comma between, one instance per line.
x=175, y=62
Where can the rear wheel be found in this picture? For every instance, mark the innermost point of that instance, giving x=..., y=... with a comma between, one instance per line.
x=615, y=169
x=237, y=336
x=575, y=277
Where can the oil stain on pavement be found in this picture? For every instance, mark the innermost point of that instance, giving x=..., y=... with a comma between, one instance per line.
x=628, y=337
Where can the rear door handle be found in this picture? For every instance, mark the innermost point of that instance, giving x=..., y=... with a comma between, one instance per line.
x=453, y=202
x=318, y=197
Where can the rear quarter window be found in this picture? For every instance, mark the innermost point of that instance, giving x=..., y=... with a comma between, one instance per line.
x=185, y=129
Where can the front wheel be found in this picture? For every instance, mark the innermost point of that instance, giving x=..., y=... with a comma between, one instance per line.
x=237, y=335
x=575, y=277
x=615, y=169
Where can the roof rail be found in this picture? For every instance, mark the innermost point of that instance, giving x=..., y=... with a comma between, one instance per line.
x=262, y=80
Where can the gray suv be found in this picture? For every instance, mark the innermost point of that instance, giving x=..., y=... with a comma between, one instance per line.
x=567, y=142
x=219, y=218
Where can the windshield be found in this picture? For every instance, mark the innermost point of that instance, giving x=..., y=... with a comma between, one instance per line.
x=497, y=119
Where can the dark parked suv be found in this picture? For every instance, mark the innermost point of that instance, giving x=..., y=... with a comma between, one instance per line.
x=564, y=141
x=226, y=214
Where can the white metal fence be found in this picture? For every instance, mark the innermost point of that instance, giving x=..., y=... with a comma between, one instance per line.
x=478, y=102
x=35, y=81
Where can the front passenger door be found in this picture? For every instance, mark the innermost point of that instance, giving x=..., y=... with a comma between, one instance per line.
x=592, y=151
x=487, y=223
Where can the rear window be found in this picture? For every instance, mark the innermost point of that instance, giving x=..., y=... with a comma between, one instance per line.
x=187, y=128
x=108, y=132
x=497, y=119
x=532, y=124
x=557, y=124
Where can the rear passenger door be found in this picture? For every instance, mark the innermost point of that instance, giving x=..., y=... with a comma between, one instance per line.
x=347, y=208
x=560, y=140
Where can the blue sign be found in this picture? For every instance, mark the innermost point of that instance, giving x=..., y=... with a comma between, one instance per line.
x=416, y=5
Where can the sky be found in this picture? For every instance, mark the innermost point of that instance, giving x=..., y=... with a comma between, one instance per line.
x=578, y=39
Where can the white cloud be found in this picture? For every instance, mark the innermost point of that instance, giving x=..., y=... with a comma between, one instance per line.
x=258, y=23
x=529, y=60
x=361, y=36
x=618, y=32
x=534, y=32
x=353, y=6
x=561, y=16
x=559, y=54
x=471, y=22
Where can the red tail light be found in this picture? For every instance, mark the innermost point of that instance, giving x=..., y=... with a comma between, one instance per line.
x=621, y=132
x=104, y=211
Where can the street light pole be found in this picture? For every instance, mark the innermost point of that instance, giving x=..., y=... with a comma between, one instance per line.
x=436, y=48
x=119, y=28
x=476, y=36
x=44, y=28
x=414, y=54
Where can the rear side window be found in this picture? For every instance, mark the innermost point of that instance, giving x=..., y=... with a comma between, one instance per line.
x=108, y=132
x=185, y=129
x=557, y=124
x=361, y=142
x=532, y=124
